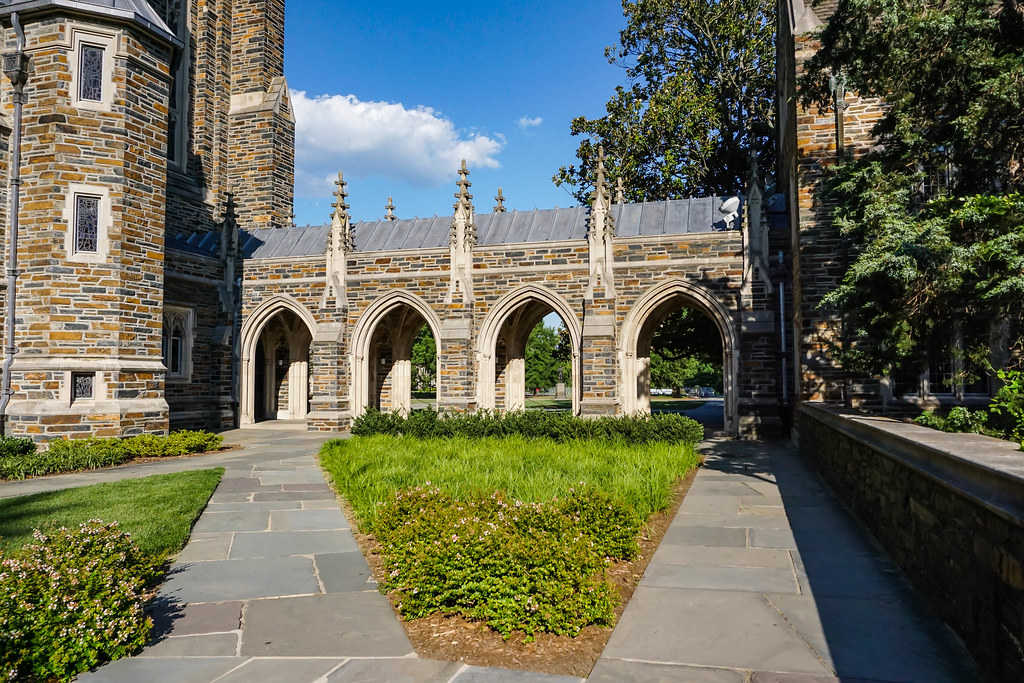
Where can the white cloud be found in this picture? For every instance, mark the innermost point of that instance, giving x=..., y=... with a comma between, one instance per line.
x=525, y=122
x=418, y=145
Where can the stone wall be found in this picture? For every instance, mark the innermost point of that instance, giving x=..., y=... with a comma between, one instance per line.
x=948, y=508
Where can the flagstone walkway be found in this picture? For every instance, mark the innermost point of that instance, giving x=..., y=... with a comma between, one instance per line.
x=762, y=577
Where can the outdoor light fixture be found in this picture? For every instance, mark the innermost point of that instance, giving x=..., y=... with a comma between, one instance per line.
x=729, y=209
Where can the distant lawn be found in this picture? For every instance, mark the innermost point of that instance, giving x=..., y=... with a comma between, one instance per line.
x=368, y=470
x=157, y=511
x=662, y=403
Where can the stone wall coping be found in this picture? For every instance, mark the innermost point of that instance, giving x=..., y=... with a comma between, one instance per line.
x=986, y=470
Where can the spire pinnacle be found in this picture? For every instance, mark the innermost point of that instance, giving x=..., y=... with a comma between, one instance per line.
x=390, y=209
x=620, y=191
x=340, y=206
x=602, y=193
x=500, y=206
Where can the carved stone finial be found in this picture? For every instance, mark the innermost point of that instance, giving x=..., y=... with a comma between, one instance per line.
x=601, y=189
x=390, y=209
x=340, y=207
x=620, y=191
x=500, y=206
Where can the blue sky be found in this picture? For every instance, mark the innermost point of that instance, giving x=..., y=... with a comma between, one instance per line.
x=395, y=94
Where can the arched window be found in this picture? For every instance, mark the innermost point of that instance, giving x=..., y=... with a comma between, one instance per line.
x=177, y=342
x=176, y=18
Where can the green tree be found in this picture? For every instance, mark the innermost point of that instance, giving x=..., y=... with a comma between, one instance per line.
x=700, y=96
x=424, y=361
x=686, y=349
x=934, y=213
x=541, y=362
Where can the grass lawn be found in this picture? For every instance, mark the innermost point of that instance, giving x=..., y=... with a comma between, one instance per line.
x=157, y=511
x=367, y=470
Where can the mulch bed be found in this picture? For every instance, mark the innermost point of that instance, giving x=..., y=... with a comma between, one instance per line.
x=458, y=639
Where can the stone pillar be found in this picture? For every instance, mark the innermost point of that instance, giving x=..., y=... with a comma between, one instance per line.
x=599, y=374
x=456, y=366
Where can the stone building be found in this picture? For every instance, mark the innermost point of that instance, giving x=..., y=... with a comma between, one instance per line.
x=162, y=284
x=138, y=118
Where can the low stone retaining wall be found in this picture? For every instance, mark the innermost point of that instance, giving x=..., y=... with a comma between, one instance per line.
x=948, y=508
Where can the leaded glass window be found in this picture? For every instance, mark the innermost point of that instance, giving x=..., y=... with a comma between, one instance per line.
x=90, y=73
x=87, y=224
x=82, y=385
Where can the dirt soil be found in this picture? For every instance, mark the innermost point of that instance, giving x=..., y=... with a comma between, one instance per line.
x=458, y=639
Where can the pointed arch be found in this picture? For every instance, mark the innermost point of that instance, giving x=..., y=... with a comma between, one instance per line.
x=490, y=330
x=249, y=338
x=363, y=334
x=634, y=370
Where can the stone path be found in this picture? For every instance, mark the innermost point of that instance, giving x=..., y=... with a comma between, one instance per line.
x=761, y=578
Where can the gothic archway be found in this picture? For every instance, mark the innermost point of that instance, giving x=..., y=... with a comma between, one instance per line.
x=638, y=330
x=275, y=343
x=382, y=348
x=501, y=347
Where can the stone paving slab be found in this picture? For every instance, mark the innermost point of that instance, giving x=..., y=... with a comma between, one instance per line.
x=257, y=544
x=217, y=506
x=720, y=556
x=292, y=670
x=904, y=643
x=408, y=670
x=344, y=572
x=240, y=580
x=709, y=504
x=206, y=547
x=619, y=671
x=736, y=521
x=706, y=535
x=715, y=628
x=162, y=670
x=240, y=520
x=294, y=495
x=200, y=645
x=757, y=579
x=308, y=520
x=334, y=625
x=477, y=674
x=209, y=617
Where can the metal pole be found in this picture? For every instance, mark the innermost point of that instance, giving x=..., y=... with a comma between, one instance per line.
x=16, y=69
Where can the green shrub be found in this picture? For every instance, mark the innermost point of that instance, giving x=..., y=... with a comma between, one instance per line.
x=534, y=567
x=930, y=420
x=1009, y=403
x=69, y=455
x=72, y=600
x=14, y=446
x=562, y=427
x=961, y=420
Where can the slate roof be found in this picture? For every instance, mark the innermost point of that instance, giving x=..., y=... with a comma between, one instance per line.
x=672, y=217
x=138, y=11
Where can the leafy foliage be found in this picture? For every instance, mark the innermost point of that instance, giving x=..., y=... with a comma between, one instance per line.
x=424, y=360
x=84, y=454
x=545, y=354
x=700, y=96
x=1009, y=403
x=72, y=600
x=15, y=446
x=934, y=212
x=534, y=567
x=958, y=420
x=561, y=427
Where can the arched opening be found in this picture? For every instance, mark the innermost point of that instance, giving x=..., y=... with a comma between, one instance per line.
x=521, y=355
x=275, y=343
x=678, y=343
x=391, y=355
x=281, y=369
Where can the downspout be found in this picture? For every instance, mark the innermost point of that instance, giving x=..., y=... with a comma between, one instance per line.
x=16, y=68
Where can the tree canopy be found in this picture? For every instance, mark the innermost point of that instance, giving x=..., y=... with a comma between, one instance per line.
x=934, y=212
x=544, y=356
x=699, y=97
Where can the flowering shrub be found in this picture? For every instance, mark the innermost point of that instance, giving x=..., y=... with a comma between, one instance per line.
x=535, y=567
x=72, y=600
x=92, y=453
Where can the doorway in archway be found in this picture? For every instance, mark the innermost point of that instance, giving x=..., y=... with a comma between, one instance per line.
x=401, y=365
x=281, y=369
x=533, y=354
